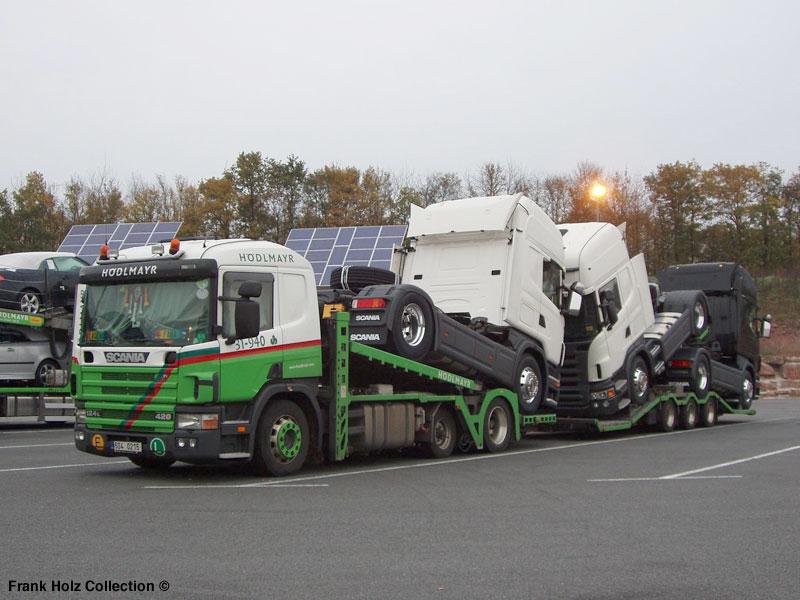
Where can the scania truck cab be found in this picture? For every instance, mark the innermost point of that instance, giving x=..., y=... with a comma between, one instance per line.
x=160, y=340
x=606, y=354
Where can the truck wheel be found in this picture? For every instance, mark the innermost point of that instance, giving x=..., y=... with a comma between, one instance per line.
x=151, y=463
x=497, y=426
x=443, y=434
x=639, y=381
x=748, y=391
x=689, y=415
x=412, y=327
x=708, y=413
x=680, y=301
x=283, y=439
x=529, y=385
x=701, y=376
x=667, y=416
x=357, y=278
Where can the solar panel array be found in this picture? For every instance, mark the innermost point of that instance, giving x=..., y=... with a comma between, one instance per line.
x=329, y=247
x=85, y=240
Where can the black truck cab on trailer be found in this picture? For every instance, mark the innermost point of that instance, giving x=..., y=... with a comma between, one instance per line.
x=732, y=305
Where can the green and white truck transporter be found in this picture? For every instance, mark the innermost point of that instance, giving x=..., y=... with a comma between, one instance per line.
x=222, y=351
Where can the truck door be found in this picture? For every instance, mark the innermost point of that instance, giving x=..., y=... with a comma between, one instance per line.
x=247, y=364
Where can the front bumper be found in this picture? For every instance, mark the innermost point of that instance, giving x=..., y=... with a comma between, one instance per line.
x=198, y=446
x=581, y=401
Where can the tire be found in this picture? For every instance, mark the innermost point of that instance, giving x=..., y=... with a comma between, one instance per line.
x=46, y=366
x=667, y=416
x=411, y=334
x=464, y=443
x=497, y=426
x=708, y=413
x=689, y=415
x=700, y=381
x=356, y=278
x=530, y=388
x=151, y=463
x=639, y=379
x=283, y=439
x=444, y=434
x=748, y=392
x=30, y=301
x=680, y=301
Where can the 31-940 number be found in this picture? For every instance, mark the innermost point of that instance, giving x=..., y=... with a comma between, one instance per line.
x=253, y=342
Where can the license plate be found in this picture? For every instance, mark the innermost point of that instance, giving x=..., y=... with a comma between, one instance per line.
x=128, y=447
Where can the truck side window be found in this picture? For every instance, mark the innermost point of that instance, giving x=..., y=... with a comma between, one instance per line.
x=551, y=282
x=610, y=292
x=230, y=288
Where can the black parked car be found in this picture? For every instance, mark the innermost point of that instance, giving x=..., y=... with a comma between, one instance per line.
x=30, y=281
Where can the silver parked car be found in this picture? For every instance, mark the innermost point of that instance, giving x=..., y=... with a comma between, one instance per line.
x=26, y=355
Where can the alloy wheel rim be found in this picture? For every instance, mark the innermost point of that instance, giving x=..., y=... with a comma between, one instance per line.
x=412, y=324
x=528, y=384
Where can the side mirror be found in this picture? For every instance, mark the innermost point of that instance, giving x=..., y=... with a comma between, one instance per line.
x=574, y=304
x=247, y=318
x=766, y=326
x=250, y=289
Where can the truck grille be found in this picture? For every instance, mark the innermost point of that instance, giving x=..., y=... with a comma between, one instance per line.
x=115, y=384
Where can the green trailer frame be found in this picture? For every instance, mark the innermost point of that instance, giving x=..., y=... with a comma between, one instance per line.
x=471, y=416
x=659, y=397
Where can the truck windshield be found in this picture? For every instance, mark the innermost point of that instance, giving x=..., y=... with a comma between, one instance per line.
x=586, y=324
x=163, y=313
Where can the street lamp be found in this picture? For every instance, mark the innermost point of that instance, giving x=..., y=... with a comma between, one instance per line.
x=598, y=192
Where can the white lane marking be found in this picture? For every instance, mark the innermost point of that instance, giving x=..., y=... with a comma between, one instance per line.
x=37, y=445
x=729, y=463
x=94, y=464
x=236, y=485
x=22, y=431
x=616, y=479
x=453, y=461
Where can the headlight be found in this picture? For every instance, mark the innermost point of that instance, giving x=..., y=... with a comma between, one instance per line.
x=200, y=421
x=80, y=415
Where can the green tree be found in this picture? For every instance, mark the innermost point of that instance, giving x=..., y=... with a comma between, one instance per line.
x=286, y=182
x=249, y=178
x=218, y=199
x=733, y=190
x=39, y=222
x=103, y=202
x=439, y=187
x=7, y=242
x=680, y=209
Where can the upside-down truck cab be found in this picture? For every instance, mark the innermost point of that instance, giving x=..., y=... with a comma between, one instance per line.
x=605, y=342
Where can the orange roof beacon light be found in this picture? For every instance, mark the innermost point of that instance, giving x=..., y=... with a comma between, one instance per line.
x=174, y=246
x=104, y=252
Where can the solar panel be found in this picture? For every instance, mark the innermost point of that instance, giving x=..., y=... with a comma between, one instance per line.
x=85, y=240
x=327, y=248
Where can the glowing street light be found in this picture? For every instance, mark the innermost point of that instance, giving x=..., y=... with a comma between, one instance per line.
x=598, y=192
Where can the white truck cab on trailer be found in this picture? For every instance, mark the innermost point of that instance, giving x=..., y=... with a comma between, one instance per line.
x=498, y=261
x=605, y=343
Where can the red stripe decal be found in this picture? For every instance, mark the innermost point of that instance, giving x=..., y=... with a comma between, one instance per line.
x=205, y=358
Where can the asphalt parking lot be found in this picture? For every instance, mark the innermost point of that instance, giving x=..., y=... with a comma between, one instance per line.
x=706, y=513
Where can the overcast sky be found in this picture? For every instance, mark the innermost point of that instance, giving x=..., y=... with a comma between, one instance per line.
x=173, y=87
